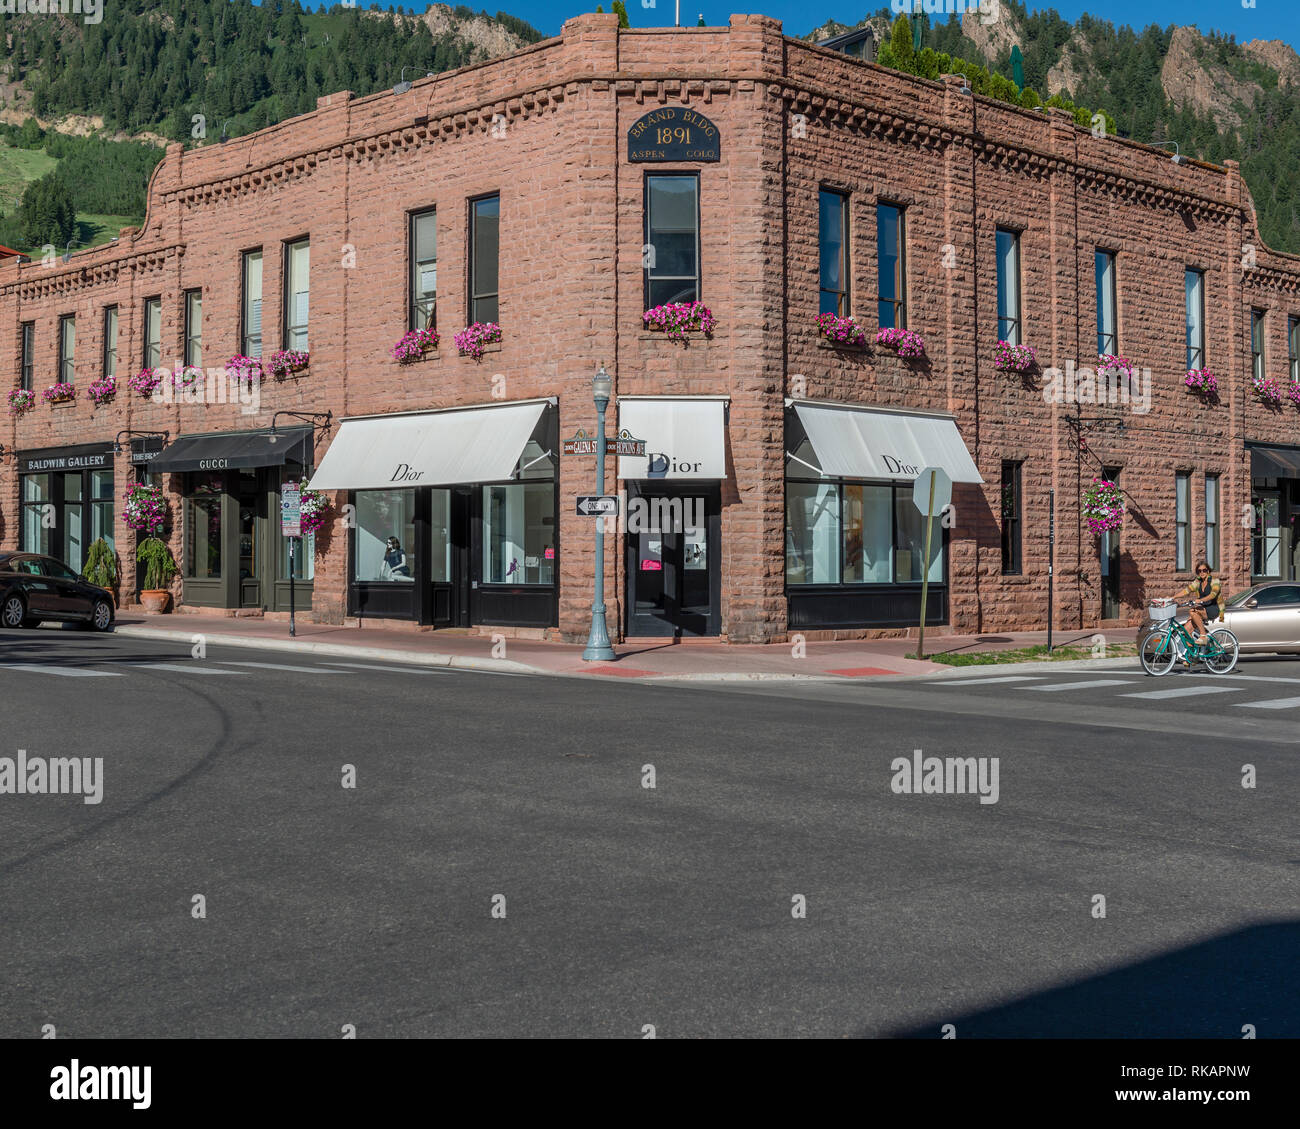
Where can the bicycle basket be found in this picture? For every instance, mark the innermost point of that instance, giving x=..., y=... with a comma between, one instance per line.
x=1160, y=613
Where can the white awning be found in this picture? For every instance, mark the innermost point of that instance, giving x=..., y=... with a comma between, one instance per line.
x=852, y=442
x=428, y=448
x=684, y=438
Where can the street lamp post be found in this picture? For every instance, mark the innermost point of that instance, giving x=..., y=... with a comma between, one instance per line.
x=598, y=648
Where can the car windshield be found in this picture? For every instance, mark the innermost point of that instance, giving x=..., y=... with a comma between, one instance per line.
x=1241, y=597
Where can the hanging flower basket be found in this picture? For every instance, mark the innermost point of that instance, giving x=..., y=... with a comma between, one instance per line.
x=144, y=508
x=472, y=338
x=145, y=381
x=677, y=319
x=285, y=362
x=21, y=400
x=59, y=393
x=1103, y=507
x=904, y=342
x=1202, y=382
x=1110, y=362
x=246, y=370
x=1014, y=358
x=314, y=508
x=412, y=346
x=1293, y=391
x=102, y=391
x=841, y=331
x=1267, y=390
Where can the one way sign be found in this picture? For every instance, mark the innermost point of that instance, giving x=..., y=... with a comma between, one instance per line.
x=596, y=505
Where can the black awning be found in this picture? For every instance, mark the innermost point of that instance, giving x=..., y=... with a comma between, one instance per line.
x=234, y=450
x=1275, y=462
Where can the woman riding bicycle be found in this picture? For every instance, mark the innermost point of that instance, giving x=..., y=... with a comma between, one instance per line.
x=1206, y=603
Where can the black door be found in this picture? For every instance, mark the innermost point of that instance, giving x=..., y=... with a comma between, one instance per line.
x=449, y=520
x=251, y=535
x=1108, y=549
x=672, y=560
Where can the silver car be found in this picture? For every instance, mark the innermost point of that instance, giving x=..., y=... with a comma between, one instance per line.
x=1265, y=618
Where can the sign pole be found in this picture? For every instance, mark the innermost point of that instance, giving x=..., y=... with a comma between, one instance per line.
x=925, y=572
x=292, y=632
x=1051, y=560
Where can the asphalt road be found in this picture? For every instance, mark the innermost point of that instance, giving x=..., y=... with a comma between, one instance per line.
x=627, y=906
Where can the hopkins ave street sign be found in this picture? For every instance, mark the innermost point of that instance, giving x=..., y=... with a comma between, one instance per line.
x=584, y=444
x=625, y=444
x=596, y=505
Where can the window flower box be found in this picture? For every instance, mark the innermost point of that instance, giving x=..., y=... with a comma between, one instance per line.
x=21, y=400
x=841, y=331
x=471, y=339
x=1111, y=362
x=145, y=381
x=677, y=319
x=1103, y=507
x=904, y=342
x=1203, y=383
x=189, y=376
x=285, y=362
x=1267, y=391
x=59, y=393
x=102, y=391
x=1014, y=358
x=414, y=346
x=144, y=508
x=1293, y=391
x=246, y=370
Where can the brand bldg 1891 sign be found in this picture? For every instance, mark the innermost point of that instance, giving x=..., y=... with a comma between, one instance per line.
x=673, y=133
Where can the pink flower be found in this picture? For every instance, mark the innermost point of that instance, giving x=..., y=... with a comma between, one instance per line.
x=843, y=331
x=677, y=319
x=905, y=342
x=472, y=338
x=1014, y=358
x=58, y=392
x=412, y=346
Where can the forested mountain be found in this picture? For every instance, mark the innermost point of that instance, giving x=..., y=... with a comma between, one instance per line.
x=1216, y=97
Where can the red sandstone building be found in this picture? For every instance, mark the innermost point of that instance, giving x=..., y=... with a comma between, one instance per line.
x=564, y=190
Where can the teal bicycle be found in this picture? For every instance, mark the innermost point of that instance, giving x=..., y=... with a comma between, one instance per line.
x=1169, y=641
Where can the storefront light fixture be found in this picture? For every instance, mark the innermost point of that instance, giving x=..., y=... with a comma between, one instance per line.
x=306, y=417
x=117, y=443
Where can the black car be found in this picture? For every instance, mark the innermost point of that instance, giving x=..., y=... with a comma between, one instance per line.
x=35, y=588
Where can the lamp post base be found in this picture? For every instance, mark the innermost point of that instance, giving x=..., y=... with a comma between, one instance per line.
x=598, y=647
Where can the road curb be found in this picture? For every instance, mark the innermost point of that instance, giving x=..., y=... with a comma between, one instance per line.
x=984, y=670
x=338, y=650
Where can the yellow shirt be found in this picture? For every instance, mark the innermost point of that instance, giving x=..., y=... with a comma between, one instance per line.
x=1215, y=593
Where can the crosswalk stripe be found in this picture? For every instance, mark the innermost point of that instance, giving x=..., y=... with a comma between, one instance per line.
x=1271, y=704
x=64, y=671
x=186, y=668
x=990, y=681
x=1081, y=685
x=1184, y=691
x=397, y=669
x=281, y=666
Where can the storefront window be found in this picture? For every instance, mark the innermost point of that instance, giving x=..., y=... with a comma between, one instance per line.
x=203, y=527
x=440, y=536
x=519, y=533
x=101, y=506
x=857, y=533
x=812, y=543
x=73, y=547
x=38, y=513
x=385, y=516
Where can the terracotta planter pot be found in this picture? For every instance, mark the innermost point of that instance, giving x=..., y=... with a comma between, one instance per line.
x=155, y=600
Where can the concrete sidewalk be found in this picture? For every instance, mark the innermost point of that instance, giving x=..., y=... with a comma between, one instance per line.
x=653, y=660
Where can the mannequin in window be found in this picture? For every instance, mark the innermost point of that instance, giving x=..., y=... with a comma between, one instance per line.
x=395, y=565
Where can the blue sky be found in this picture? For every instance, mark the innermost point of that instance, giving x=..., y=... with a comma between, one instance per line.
x=1267, y=19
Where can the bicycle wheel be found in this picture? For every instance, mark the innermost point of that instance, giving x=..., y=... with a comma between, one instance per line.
x=1156, y=650
x=1221, y=655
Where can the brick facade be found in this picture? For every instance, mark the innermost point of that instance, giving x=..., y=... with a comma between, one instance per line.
x=792, y=118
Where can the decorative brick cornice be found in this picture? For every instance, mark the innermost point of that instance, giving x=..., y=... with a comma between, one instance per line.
x=54, y=282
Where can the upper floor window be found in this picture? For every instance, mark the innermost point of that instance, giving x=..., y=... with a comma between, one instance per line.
x=484, y=250
x=672, y=236
x=424, y=270
x=1182, y=521
x=1293, y=346
x=29, y=354
x=1008, y=248
x=194, y=328
x=1257, y=344
x=1194, y=286
x=110, y=342
x=297, y=271
x=252, y=304
x=152, y=332
x=1011, y=517
x=832, y=229
x=891, y=267
x=1107, y=322
x=67, y=347
x=1212, y=520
